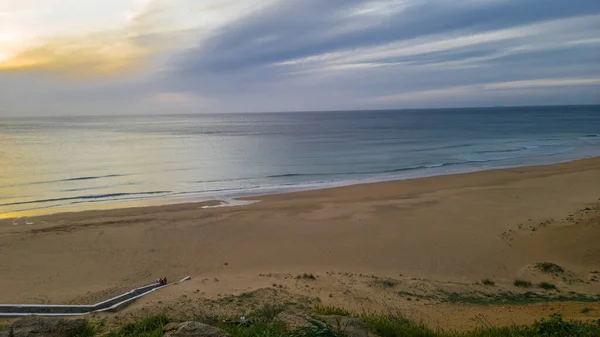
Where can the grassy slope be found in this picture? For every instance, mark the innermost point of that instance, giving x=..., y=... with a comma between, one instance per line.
x=381, y=324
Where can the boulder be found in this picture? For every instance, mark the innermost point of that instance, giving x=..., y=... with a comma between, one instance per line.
x=33, y=326
x=352, y=326
x=193, y=329
x=292, y=318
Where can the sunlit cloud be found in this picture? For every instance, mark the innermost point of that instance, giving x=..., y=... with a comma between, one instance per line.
x=116, y=39
x=79, y=57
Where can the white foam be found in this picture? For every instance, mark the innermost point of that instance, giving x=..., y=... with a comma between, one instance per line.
x=232, y=202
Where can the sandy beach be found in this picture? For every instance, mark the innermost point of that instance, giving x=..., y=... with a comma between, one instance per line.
x=437, y=231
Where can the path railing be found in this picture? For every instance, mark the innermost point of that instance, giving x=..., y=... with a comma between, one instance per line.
x=112, y=304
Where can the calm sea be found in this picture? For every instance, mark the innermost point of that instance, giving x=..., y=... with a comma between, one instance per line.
x=76, y=163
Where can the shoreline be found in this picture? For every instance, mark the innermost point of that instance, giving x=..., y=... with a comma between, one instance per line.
x=244, y=196
x=432, y=236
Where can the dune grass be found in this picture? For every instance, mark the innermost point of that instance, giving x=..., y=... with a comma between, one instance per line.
x=329, y=310
x=387, y=324
x=306, y=276
x=151, y=326
x=522, y=284
x=488, y=282
x=547, y=286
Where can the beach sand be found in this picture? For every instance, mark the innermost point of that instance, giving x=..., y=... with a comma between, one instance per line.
x=444, y=232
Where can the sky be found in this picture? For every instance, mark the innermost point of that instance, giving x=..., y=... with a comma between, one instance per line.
x=94, y=57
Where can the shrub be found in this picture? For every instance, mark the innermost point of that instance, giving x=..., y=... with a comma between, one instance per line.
x=385, y=283
x=488, y=282
x=549, y=268
x=306, y=276
x=555, y=326
x=522, y=283
x=330, y=310
x=547, y=286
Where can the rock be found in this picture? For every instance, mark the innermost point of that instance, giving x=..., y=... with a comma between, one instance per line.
x=193, y=329
x=292, y=318
x=352, y=326
x=5, y=333
x=171, y=327
x=33, y=326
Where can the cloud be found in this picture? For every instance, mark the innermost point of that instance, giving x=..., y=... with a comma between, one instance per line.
x=470, y=90
x=370, y=49
x=313, y=29
x=254, y=55
x=90, y=55
x=120, y=48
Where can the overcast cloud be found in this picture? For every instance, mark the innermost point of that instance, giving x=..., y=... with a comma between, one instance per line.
x=290, y=55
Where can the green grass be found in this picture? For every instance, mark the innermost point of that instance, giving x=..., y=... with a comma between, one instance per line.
x=387, y=324
x=522, y=284
x=257, y=330
x=151, y=326
x=395, y=325
x=329, y=310
x=88, y=330
x=488, y=282
x=546, y=286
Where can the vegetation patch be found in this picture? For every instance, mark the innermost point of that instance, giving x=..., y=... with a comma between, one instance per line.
x=317, y=328
x=549, y=268
x=396, y=325
x=546, y=286
x=387, y=324
x=256, y=330
x=385, y=283
x=151, y=326
x=529, y=297
x=522, y=284
x=328, y=310
x=306, y=276
x=266, y=312
x=488, y=282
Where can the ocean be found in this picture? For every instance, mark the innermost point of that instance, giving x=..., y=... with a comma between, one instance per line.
x=60, y=164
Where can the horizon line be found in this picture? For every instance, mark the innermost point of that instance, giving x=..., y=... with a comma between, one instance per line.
x=309, y=111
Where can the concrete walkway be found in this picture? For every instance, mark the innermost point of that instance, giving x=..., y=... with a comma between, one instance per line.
x=113, y=304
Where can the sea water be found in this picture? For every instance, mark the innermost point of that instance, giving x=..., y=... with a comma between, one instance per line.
x=78, y=163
